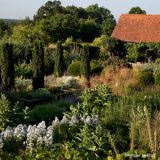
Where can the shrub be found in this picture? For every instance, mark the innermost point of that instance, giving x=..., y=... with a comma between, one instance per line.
x=74, y=68
x=23, y=70
x=96, y=68
x=145, y=76
x=23, y=84
x=136, y=52
x=157, y=77
x=71, y=53
x=10, y=114
x=22, y=52
x=7, y=66
x=94, y=101
x=72, y=83
x=41, y=93
x=68, y=81
x=4, y=111
x=116, y=61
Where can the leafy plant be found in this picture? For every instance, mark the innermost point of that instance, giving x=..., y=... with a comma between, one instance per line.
x=145, y=76
x=23, y=70
x=74, y=69
x=4, y=111
x=47, y=112
x=41, y=93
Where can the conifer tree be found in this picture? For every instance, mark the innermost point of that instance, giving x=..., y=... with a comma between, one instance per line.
x=38, y=65
x=85, y=63
x=58, y=67
x=7, y=65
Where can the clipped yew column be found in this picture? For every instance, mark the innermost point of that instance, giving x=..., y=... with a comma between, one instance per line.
x=85, y=63
x=7, y=65
x=38, y=65
x=59, y=64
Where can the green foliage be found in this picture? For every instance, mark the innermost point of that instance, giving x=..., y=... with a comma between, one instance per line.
x=137, y=10
x=69, y=41
x=58, y=67
x=48, y=61
x=7, y=65
x=157, y=77
x=23, y=84
x=116, y=61
x=78, y=12
x=3, y=28
x=157, y=73
x=90, y=140
x=10, y=115
x=100, y=14
x=103, y=43
x=136, y=52
x=96, y=67
x=60, y=22
x=71, y=53
x=85, y=60
x=89, y=30
x=28, y=33
x=48, y=112
x=74, y=69
x=72, y=82
x=94, y=52
x=22, y=52
x=60, y=27
x=38, y=66
x=4, y=111
x=116, y=47
x=94, y=101
x=49, y=9
x=41, y=93
x=23, y=70
x=145, y=76
x=108, y=26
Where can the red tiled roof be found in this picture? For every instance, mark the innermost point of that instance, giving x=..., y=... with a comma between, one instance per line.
x=138, y=28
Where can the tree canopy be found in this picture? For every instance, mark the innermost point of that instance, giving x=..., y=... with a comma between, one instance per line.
x=137, y=10
x=49, y=9
x=83, y=24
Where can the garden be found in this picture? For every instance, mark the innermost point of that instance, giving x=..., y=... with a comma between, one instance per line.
x=68, y=91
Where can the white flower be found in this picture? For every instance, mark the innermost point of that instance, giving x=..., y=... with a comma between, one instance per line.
x=8, y=133
x=40, y=129
x=1, y=142
x=20, y=131
x=64, y=120
x=56, y=122
x=48, y=138
x=88, y=120
x=74, y=120
x=31, y=132
x=40, y=140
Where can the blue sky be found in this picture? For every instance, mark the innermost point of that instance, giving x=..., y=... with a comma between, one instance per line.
x=19, y=9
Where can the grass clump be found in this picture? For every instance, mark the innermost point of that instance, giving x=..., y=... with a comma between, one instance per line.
x=47, y=112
